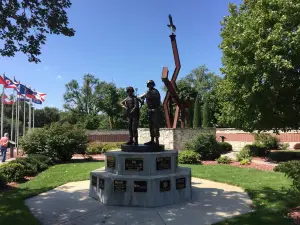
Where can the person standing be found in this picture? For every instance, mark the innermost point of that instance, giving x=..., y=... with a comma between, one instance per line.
x=153, y=102
x=4, y=144
x=131, y=104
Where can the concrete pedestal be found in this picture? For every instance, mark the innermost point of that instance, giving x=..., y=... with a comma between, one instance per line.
x=141, y=179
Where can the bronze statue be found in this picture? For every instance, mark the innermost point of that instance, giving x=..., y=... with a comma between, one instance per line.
x=131, y=104
x=153, y=102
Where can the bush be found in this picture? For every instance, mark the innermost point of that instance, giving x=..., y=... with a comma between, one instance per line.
x=206, y=145
x=224, y=160
x=225, y=147
x=12, y=171
x=59, y=141
x=94, y=148
x=266, y=140
x=41, y=158
x=3, y=181
x=284, y=146
x=111, y=146
x=244, y=154
x=188, y=157
x=256, y=150
x=101, y=147
x=245, y=162
x=30, y=168
x=291, y=170
x=297, y=146
x=284, y=155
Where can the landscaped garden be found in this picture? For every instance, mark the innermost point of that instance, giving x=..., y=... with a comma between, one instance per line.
x=270, y=191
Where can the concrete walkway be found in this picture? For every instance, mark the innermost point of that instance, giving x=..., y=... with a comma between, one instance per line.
x=70, y=205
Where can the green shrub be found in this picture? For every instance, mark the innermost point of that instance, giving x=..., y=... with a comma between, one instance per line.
x=224, y=160
x=284, y=146
x=266, y=140
x=41, y=158
x=58, y=141
x=245, y=162
x=284, y=155
x=291, y=170
x=94, y=147
x=256, y=150
x=206, y=145
x=30, y=168
x=12, y=171
x=188, y=157
x=244, y=154
x=111, y=146
x=225, y=147
x=3, y=181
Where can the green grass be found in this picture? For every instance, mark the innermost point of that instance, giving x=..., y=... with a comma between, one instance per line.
x=268, y=190
x=13, y=210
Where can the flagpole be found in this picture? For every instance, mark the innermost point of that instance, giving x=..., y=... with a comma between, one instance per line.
x=33, y=116
x=24, y=125
x=29, y=115
x=2, y=110
x=12, y=119
x=16, y=126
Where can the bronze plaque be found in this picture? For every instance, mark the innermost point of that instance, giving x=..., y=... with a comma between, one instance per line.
x=111, y=162
x=163, y=163
x=94, y=181
x=101, y=184
x=140, y=186
x=120, y=185
x=180, y=183
x=165, y=185
x=135, y=164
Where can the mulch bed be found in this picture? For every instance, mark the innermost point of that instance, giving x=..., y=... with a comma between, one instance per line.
x=251, y=165
x=294, y=214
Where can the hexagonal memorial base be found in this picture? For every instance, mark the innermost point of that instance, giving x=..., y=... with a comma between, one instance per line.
x=144, y=191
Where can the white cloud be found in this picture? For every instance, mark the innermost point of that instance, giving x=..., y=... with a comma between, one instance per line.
x=59, y=77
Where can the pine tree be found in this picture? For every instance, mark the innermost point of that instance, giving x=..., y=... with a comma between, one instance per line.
x=197, y=113
x=206, y=114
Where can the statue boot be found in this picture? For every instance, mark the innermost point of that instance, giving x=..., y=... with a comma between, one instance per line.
x=157, y=141
x=150, y=142
x=136, y=141
x=130, y=142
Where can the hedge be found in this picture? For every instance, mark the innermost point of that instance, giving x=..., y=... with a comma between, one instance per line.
x=284, y=155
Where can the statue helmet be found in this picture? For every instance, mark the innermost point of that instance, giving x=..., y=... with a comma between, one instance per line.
x=150, y=82
x=128, y=89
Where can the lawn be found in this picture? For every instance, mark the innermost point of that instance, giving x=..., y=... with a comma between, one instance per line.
x=13, y=211
x=268, y=190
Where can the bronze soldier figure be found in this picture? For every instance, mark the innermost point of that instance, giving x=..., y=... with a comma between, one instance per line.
x=153, y=102
x=131, y=104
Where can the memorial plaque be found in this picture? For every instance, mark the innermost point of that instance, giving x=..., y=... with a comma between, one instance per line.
x=163, y=163
x=165, y=185
x=140, y=186
x=135, y=164
x=120, y=185
x=101, y=184
x=180, y=183
x=111, y=162
x=94, y=181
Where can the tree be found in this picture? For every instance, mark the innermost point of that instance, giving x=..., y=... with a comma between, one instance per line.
x=197, y=113
x=206, y=114
x=261, y=87
x=46, y=116
x=82, y=101
x=24, y=25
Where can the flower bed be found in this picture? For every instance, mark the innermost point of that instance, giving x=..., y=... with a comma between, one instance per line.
x=251, y=165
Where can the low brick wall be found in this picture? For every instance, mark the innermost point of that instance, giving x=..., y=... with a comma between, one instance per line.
x=238, y=139
x=108, y=136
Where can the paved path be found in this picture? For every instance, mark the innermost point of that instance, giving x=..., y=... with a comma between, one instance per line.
x=70, y=205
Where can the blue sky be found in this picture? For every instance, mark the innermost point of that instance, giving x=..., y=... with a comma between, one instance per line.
x=126, y=42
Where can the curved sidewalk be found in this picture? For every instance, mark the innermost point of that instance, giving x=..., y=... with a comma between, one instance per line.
x=69, y=204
